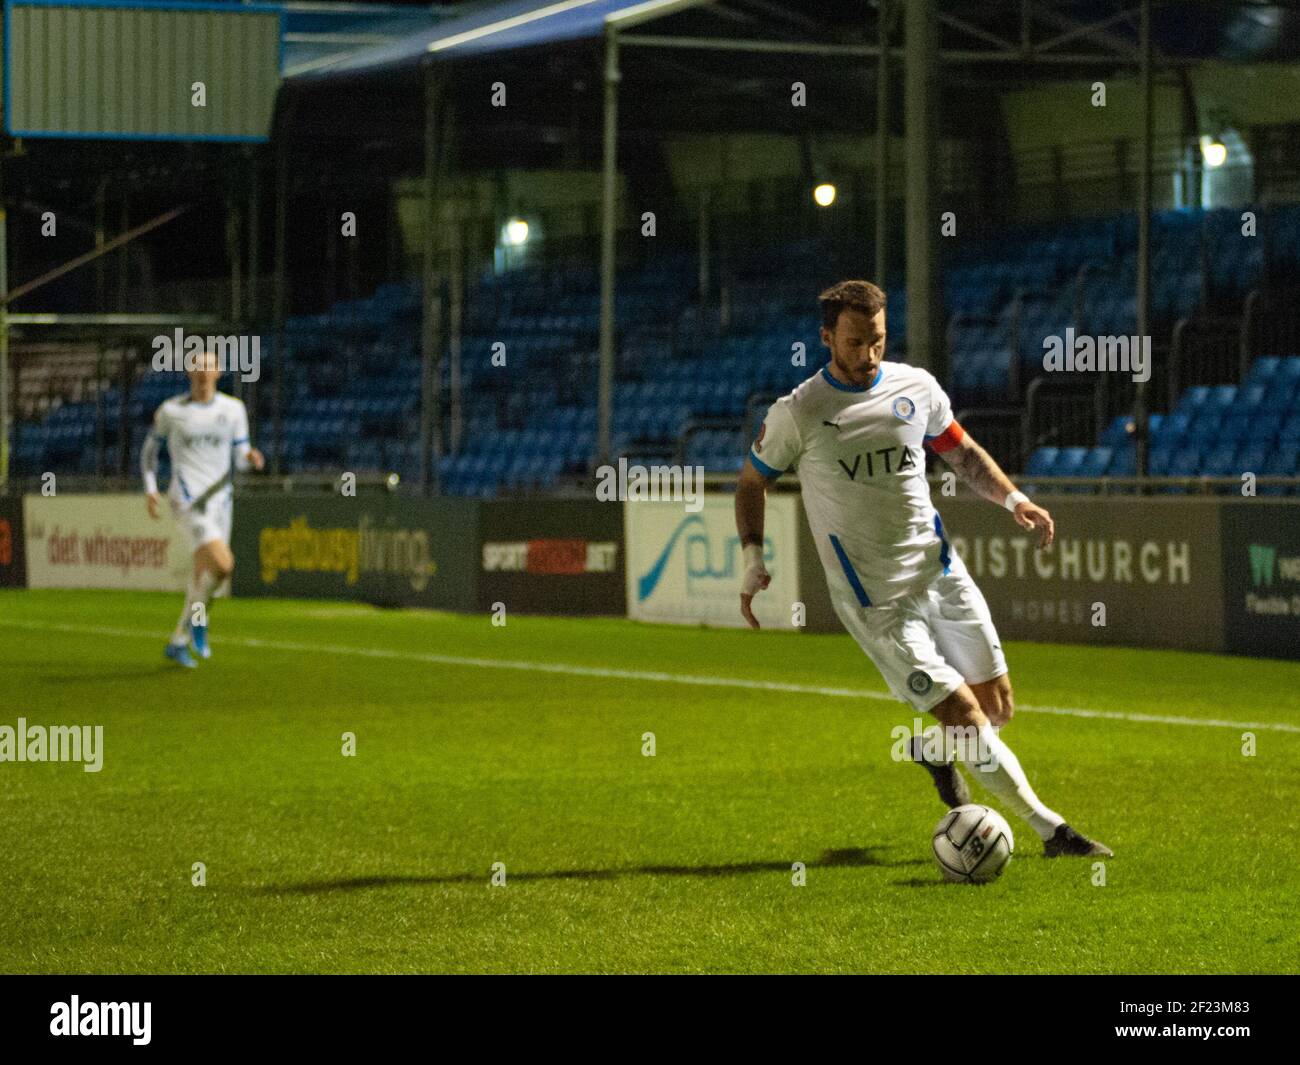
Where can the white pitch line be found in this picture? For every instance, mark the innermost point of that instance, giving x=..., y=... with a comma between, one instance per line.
x=637, y=674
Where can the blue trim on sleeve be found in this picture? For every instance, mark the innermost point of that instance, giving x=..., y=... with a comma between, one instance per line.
x=945, y=557
x=850, y=572
x=762, y=466
x=241, y=440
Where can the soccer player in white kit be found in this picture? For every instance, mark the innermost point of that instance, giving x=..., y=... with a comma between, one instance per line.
x=203, y=432
x=856, y=431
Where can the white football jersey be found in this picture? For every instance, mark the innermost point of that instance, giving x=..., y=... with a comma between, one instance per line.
x=862, y=476
x=201, y=439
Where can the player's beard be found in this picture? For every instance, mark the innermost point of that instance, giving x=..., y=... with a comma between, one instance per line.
x=860, y=377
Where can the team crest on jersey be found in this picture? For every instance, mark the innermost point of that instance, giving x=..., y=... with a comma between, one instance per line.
x=904, y=408
x=920, y=682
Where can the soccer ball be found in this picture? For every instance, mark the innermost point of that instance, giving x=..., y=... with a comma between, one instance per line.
x=972, y=844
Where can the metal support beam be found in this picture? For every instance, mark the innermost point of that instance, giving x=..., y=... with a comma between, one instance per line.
x=101, y=249
x=608, y=232
x=101, y=227
x=972, y=30
x=455, y=327
x=735, y=44
x=124, y=256
x=431, y=330
x=147, y=320
x=1093, y=31
x=281, y=222
x=4, y=342
x=884, y=13
x=920, y=99
x=254, y=269
x=1144, y=233
x=1105, y=60
x=235, y=255
x=704, y=261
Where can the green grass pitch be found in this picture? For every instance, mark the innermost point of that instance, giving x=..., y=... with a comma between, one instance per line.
x=614, y=861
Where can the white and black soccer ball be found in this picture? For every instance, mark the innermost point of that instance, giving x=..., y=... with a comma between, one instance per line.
x=972, y=844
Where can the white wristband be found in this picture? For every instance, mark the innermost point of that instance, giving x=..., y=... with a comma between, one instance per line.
x=1014, y=499
x=752, y=556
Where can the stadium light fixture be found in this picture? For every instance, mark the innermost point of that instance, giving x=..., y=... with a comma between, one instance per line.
x=515, y=233
x=1214, y=151
x=824, y=194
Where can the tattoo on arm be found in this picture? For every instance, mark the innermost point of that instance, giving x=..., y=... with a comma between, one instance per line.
x=978, y=469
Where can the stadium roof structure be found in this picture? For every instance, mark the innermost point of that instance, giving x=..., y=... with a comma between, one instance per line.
x=500, y=27
x=1008, y=33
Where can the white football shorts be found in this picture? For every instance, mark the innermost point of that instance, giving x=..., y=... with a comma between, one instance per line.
x=928, y=643
x=212, y=523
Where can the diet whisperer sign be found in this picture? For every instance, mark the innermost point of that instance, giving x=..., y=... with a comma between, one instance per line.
x=1145, y=574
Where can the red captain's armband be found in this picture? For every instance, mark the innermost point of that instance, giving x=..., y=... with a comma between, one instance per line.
x=948, y=439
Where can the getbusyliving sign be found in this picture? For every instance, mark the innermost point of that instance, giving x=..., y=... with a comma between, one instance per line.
x=389, y=550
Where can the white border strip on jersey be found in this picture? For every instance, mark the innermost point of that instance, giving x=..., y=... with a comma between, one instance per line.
x=637, y=674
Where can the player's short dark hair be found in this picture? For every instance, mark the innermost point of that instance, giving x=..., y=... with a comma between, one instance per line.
x=860, y=296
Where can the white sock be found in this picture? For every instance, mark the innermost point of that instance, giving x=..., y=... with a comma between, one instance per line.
x=199, y=590
x=1000, y=772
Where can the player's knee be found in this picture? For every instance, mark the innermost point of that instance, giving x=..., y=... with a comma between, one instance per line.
x=221, y=563
x=960, y=708
x=995, y=699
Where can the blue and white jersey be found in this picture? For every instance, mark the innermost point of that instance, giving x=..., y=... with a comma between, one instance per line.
x=862, y=476
x=202, y=440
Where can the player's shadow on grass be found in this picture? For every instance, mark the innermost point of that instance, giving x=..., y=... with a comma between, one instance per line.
x=854, y=856
x=97, y=674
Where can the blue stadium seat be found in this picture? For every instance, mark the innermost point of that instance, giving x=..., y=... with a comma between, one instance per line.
x=1236, y=427
x=1204, y=427
x=1187, y=462
x=1252, y=458
x=1289, y=370
x=1173, y=430
x=1281, y=462
x=1264, y=428
x=1193, y=399
x=1280, y=396
x=1123, y=462
x=1118, y=432
x=1070, y=461
x=1220, y=461
x=1097, y=462
x=1042, y=462
x=1222, y=397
